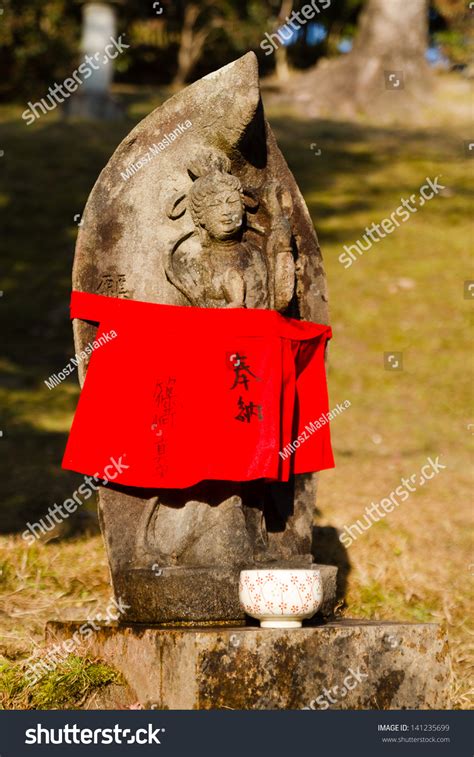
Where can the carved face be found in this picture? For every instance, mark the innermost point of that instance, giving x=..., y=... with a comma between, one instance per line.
x=223, y=215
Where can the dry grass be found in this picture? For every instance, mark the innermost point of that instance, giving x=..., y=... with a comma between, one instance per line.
x=62, y=579
x=415, y=564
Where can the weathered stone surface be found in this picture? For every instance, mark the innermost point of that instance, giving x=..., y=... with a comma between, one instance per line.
x=114, y=696
x=395, y=665
x=197, y=594
x=212, y=218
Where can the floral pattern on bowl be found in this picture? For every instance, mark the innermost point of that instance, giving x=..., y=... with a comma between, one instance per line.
x=280, y=598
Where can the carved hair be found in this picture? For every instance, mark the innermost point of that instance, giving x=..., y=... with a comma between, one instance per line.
x=207, y=187
x=210, y=172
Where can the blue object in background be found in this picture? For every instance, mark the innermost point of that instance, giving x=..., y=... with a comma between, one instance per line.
x=316, y=34
x=345, y=45
x=435, y=57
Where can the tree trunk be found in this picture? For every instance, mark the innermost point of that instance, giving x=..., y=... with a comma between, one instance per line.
x=190, y=46
x=385, y=73
x=282, y=68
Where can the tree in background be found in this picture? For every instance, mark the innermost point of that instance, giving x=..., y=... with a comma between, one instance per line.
x=196, y=20
x=182, y=40
x=456, y=40
x=38, y=44
x=323, y=35
x=392, y=36
x=212, y=33
x=281, y=56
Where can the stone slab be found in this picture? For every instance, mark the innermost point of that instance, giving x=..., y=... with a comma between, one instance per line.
x=181, y=594
x=341, y=665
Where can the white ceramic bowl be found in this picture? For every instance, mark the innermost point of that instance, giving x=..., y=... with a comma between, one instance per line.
x=280, y=598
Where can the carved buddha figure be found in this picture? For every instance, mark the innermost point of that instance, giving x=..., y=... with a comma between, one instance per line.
x=227, y=269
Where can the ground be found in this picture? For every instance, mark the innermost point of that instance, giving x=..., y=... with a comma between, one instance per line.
x=407, y=294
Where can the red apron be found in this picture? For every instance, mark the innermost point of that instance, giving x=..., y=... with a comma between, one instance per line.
x=183, y=394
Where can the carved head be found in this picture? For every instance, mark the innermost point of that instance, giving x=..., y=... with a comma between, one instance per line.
x=216, y=201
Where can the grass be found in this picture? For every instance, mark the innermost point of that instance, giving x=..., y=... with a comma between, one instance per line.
x=67, y=687
x=405, y=294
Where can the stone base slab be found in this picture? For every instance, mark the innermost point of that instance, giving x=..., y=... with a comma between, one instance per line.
x=180, y=594
x=341, y=665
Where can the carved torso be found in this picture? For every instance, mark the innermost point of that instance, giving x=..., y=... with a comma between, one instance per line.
x=221, y=275
x=218, y=264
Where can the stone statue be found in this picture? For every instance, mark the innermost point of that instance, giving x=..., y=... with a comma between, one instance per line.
x=228, y=270
x=214, y=220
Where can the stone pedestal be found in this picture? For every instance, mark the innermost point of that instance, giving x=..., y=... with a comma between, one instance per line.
x=182, y=594
x=340, y=665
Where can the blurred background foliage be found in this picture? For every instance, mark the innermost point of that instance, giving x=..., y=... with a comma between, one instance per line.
x=40, y=39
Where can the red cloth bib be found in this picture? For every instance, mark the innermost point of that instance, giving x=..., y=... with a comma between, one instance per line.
x=183, y=394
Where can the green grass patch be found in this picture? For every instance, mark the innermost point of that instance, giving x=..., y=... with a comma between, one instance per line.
x=66, y=687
